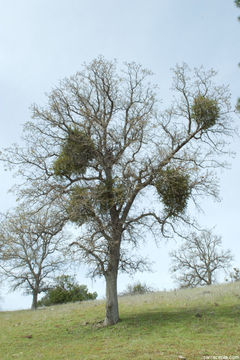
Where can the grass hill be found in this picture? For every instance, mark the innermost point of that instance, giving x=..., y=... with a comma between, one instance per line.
x=201, y=323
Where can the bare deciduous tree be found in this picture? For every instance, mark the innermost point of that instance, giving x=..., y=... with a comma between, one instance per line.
x=234, y=275
x=101, y=145
x=198, y=259
x=31, y=250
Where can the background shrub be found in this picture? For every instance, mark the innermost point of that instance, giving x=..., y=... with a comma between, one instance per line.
x=66, y=290
x=136, y=289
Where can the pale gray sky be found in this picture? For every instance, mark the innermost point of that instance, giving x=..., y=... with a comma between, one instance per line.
x=42, y=41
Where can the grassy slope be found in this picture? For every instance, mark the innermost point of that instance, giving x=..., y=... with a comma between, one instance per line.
x=192, y=323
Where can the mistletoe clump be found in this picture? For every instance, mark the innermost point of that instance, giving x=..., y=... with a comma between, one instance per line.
x=108, y=194
x=76, y=153
x=104, y=196
x=79, y=206
x=205, y=111
x=174, y=189
x=238, y=105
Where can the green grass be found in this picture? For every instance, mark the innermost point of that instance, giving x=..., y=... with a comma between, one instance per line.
x=191, y=323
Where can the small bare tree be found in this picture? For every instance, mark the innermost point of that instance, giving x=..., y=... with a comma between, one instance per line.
x=234, y=275
x=101, y=147
x=31, y=250
x=198, y=259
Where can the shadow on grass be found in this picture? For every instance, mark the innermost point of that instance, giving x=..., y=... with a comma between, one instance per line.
x=183, y=317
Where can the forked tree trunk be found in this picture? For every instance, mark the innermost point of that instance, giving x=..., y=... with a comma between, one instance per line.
x=34, y=301
x=112, y=313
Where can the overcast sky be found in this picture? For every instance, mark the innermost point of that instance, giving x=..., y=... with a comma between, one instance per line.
x=42, y=41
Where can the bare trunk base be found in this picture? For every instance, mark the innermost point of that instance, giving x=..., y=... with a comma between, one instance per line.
x=34, y=302
x=112, y=313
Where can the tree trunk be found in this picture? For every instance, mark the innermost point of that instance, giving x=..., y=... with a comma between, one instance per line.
x=112, y=313
x=209, y=282
x=34, y=301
